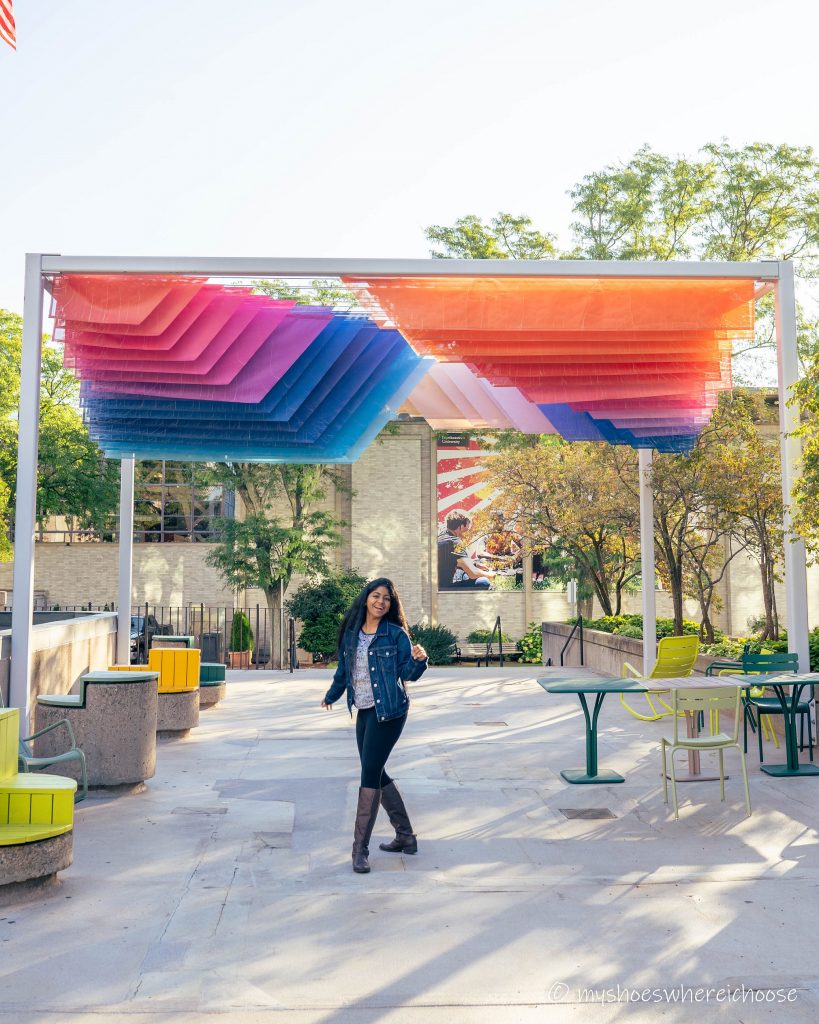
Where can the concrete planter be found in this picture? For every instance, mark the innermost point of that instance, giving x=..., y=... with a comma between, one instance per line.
x=602, y=652
x=114, y=722
x=177, y=714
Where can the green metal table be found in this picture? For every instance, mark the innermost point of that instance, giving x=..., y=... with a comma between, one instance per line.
x=778, y=683
x=598, y=687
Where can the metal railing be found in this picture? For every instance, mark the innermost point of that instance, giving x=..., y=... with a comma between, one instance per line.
x=210, y=626
x=578, y=626
x=496, y=629
x=293, y=657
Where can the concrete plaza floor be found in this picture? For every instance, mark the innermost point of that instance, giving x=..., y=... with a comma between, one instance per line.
x=225, y=892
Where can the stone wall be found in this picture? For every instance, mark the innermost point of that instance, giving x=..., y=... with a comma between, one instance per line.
x=63, y=651
x=602, y=652
x=163, y=574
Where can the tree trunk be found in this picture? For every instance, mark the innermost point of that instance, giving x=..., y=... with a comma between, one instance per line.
x=706, y=625
x=771, y=630
x=274, y=604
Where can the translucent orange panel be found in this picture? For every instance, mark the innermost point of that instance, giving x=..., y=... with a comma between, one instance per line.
x=421, y=304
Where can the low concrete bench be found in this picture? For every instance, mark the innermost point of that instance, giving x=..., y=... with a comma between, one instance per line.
x=177, y=709
x=114, y=721
x=212, y=683
x=36, y=814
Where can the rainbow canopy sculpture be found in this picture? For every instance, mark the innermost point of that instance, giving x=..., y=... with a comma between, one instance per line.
x=178, y=367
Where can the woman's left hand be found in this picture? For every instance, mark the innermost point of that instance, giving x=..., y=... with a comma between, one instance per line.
x=418, y=652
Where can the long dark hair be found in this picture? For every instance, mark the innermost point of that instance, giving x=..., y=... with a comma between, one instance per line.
x=357, y=612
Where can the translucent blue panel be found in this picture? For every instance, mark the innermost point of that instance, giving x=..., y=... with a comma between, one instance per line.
x=350, y=403
x=344, y=449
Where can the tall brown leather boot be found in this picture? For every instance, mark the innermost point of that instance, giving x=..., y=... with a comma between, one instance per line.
x=369, y=800
x=405, y=841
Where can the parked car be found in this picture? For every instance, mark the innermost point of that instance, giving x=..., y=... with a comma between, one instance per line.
x=143, y=630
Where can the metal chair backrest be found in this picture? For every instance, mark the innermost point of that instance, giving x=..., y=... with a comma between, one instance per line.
x=706, y=700
x=676, y=656
x=781, y=661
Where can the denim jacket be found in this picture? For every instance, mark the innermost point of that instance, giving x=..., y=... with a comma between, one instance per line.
x=391, y=664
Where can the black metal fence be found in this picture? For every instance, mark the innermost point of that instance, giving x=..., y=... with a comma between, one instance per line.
x=211, y=628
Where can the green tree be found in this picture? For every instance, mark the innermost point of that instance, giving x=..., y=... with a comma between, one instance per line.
x=5, y=518
x=748, y=485
x=805, y=494
x=645, y=209
x=320, y=606
x=503, y=237
x=570, y=496
x=285, y=531
x=74, y=480
x=11, y=339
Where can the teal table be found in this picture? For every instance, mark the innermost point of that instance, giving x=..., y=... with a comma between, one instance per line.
x=598, y=687
x=778, y=683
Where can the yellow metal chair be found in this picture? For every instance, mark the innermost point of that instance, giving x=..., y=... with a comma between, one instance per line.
x=676, y=656
x=708, y=702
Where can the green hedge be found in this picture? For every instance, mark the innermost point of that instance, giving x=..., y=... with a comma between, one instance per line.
x=439, y=642
x=632, y=625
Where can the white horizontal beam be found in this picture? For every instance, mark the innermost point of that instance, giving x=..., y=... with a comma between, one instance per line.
x=331, y=267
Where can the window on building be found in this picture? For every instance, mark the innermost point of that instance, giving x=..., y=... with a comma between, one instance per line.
x=178, y=502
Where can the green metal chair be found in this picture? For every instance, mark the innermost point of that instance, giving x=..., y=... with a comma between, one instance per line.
x=707, y=702
x=27, y=762
x=778, y=662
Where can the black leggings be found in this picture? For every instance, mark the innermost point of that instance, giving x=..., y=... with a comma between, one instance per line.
x=375, y=742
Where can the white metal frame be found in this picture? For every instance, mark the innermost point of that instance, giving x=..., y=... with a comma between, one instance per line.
x=778, y=275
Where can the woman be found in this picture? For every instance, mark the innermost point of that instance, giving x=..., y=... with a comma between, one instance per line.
x=375, y=660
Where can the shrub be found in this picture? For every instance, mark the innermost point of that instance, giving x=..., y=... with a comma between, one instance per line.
x=320, y=636
x=531, y=645
x=320, y=606
x=632, y=625
x=439, y=642
x=241, y=635
x=483, y=636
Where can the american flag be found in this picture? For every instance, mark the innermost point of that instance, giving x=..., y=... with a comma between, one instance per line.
x=7, y=32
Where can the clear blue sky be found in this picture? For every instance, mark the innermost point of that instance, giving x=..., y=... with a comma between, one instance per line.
x=308, y=128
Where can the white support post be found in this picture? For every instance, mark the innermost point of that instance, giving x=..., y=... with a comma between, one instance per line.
x=126, y=555
x=28, y=424
x=645, y=458
x=796, y=582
